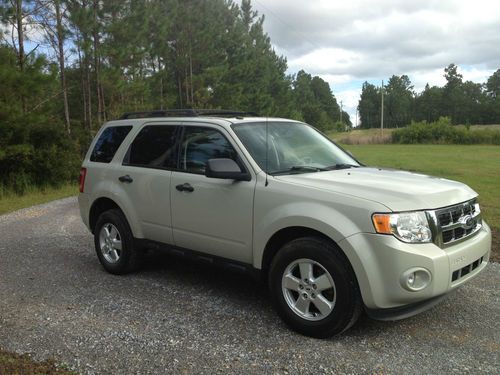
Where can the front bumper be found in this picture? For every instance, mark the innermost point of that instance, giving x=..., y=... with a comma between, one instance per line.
x=380, y=260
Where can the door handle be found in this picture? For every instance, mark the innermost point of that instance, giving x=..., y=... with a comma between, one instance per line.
x=185, y=187
x=126, y=179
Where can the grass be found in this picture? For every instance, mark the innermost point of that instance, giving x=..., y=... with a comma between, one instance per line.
x=475, y=165
x=362, y=136
x=375, y=136
x=11, y=363
x=10, y=201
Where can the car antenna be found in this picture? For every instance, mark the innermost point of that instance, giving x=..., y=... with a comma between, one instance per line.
x=267, y=150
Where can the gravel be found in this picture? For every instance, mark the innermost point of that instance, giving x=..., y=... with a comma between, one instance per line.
x=180, y=316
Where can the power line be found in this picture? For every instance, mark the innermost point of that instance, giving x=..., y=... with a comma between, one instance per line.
x=290, y=27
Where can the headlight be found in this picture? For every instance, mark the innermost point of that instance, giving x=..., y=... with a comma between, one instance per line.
x=411, y=227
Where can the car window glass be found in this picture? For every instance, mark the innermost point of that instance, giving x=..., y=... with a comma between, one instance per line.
x=201, y=144
x=154, y=146
x=290, y=144
x=108, y=143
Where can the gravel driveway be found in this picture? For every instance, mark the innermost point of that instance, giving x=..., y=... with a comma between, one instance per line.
x=178, y=316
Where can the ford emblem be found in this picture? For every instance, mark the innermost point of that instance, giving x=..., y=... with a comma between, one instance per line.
x=467, y=222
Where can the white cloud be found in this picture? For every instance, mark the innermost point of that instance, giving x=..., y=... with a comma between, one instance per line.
x=352, y=41
x=349, y=99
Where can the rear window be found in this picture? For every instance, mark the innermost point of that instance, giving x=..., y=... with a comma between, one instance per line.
x=108, y=143
x=154, y=147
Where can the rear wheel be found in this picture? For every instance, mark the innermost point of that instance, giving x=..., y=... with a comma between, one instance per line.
x=114, y=243
x=314, y=288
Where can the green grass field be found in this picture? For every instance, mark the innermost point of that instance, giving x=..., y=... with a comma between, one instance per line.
x=10, y=202
x=475, y=165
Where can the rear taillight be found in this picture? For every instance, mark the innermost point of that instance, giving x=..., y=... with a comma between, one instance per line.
x=83, y=173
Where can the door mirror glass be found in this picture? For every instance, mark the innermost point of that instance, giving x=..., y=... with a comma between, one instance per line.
x=225, y=169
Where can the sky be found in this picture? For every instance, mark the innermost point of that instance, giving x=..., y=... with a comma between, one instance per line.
x=351, y=41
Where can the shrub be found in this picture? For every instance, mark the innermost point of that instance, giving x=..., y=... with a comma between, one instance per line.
x=442, y=132
x=42, y=156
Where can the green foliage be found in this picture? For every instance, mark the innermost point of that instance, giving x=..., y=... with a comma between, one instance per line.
x=34, y=148
x=316, y=103
x=369, y=106
x=45, y=156
x=462, y=102
x=443, y=132
x=132, y=56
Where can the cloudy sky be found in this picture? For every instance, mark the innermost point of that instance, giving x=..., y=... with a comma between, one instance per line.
x=347, y=42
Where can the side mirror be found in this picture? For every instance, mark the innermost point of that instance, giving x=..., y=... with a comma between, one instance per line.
x=225, y=169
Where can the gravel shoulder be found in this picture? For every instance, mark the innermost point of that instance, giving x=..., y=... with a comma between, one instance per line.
x=178, y=316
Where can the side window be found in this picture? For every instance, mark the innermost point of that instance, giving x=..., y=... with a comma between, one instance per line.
x=154, y=146
x=201, y=144
x=108, y=143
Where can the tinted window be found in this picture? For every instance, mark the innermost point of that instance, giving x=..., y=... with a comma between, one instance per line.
x=154, y=146
x=108, y=143
x=199, y=145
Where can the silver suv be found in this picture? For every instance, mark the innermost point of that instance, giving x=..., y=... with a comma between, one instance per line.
x=330, y=236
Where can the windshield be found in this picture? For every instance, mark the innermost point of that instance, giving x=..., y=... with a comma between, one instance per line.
x=293, y=147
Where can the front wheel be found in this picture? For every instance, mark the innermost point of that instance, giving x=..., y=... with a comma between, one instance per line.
x=314, y=288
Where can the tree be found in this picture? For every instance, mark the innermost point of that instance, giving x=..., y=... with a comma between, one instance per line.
x=317, y=104
x=398, y=101
x=369, y=106
x=453, y=98
x=493, y=85
x=52, y=17
x=428, y=104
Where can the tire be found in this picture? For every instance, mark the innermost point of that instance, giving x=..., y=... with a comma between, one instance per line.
x=114, y=243
x=313, y=287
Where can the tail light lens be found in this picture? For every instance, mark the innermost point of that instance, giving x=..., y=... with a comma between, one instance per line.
x=83, y=173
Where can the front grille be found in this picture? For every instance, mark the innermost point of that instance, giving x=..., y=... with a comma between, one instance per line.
x=466, y=270
x=457, y=222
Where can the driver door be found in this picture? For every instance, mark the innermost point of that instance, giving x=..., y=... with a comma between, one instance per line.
x=210, y=215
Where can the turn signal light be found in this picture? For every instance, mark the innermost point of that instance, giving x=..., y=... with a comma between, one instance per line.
x=382, y=223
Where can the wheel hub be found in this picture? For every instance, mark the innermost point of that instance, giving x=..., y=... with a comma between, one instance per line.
x=309, y=289
x=110, y=243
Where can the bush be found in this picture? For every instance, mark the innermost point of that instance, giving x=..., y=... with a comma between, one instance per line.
x=442, y=132
x=38, y=155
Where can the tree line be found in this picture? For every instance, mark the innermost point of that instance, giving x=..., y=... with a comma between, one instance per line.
x=463, y=102
x=67, y=66
x=115, y=56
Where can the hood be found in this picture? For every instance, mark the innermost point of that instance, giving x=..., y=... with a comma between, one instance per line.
x=398, y=190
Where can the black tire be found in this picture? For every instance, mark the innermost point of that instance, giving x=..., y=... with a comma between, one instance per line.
x=347, y=305
x=128, y=259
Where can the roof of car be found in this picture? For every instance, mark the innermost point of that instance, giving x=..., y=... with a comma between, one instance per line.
x=225, y=121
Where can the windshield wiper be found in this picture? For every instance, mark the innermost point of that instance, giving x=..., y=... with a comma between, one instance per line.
x=300, y=168
x=341, y=166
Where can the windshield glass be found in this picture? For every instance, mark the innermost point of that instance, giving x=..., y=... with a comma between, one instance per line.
x=293, y=147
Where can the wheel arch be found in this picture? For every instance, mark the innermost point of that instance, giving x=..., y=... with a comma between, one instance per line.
x=99, y=206
x=285, y=235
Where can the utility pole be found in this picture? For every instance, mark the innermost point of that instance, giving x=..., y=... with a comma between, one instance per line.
x=382, y=110
x=356, y=117
x=341, y=106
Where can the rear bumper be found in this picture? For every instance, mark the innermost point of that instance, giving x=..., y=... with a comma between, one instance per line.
x=379, y=262
x=84, y=205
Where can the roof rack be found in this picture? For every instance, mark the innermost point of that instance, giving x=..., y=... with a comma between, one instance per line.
x=187, y=113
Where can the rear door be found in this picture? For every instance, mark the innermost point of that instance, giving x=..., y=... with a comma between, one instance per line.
x=147, y=169
x=214, y=215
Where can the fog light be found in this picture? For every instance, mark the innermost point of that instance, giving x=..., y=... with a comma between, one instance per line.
x=411, y=279
x=415, y=279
